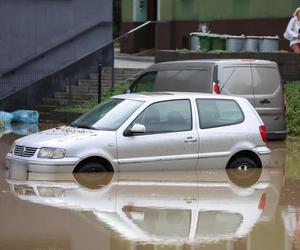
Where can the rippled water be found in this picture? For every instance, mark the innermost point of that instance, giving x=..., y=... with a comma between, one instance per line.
x=155, y=210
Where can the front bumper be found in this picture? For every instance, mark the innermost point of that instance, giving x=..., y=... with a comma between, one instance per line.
x=19, y=166
x=264, y=154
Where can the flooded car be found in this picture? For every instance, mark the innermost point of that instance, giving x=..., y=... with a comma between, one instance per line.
x=149, y=131
x=166, y=208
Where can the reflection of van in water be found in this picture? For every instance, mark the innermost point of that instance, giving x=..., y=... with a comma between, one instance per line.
x=257, y=80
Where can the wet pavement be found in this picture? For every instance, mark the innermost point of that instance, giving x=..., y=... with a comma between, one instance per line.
x=207, y=209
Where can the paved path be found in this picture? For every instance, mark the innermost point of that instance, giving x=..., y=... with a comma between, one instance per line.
x=132, y=61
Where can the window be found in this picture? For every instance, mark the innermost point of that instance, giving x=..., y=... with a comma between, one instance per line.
x=266, y=80
x=167, y=116
x=217, y=222
x=160, y=222
x=145, y=83
x=217, y=113
x=198, y=80
x=109, y=115
x=237, y=81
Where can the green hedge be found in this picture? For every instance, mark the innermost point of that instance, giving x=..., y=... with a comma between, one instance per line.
x=292, y=97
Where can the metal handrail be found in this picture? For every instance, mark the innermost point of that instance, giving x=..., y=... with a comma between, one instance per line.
x=46, y=51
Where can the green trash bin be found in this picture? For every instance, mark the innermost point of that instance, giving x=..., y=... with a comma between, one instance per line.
x=200, y=41
x=205, y=41
x=218, y=42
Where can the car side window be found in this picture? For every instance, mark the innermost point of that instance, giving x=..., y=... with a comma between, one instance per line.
x=218, y=113
x=166, y=116
x=144, y=84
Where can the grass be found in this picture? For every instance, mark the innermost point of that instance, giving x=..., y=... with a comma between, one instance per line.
x=292, y=97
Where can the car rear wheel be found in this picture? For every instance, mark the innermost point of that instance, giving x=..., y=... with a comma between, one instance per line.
x=93, y=175
x=243, y=172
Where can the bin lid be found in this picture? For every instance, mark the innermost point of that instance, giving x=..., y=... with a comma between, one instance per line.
x=235, y=36
x=202, y=34
x=270, y=37
x=253, y=37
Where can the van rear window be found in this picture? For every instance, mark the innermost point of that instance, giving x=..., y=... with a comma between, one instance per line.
x=195, y=80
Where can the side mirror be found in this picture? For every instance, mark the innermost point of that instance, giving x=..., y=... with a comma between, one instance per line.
x=136, y=129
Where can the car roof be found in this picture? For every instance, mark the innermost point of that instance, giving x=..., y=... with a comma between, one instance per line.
x=193, y=64
x=158, y=96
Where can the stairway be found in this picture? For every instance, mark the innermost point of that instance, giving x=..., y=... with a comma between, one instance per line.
x=84, y=90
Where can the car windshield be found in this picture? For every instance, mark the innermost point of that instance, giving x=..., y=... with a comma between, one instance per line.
x=109, y=115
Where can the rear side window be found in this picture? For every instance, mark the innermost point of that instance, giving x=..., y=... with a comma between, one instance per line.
x=145, y=83
x=218, y=113
x=190, y=80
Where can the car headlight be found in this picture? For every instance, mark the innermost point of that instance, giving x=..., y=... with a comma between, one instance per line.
x=52, y=153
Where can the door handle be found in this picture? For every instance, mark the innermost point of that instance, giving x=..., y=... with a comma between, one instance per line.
x=190, y=200
x=265, y=101
x=190, y=139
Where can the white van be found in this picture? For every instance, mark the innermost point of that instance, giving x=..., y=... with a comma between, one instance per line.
x=257, y=80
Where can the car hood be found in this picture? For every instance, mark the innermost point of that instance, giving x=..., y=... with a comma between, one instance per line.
x=56, y=137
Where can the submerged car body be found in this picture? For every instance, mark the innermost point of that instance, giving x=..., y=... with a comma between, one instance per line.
x=149, y=131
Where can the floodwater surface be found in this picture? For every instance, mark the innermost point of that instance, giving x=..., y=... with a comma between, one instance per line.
x=207, y=209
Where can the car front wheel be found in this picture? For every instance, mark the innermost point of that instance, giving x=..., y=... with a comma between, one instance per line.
x=93, y=175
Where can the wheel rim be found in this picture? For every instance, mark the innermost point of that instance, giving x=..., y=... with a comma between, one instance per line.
x=243, y=167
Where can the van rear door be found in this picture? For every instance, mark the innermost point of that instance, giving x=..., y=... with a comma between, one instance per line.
x=269, y=99
x=236, y=80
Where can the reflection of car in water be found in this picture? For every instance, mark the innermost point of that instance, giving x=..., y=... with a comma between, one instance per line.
x=161, y=207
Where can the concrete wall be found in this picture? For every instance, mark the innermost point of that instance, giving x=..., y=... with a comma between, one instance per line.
x=29, y=27
x=178, y=18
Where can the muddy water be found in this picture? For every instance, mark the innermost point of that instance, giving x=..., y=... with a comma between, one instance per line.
x=175, y=210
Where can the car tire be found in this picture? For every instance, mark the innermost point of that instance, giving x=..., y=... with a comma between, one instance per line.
x=243, y=172
x=93, y=175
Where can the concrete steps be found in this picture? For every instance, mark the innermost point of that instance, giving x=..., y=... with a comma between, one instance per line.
x=84, y=90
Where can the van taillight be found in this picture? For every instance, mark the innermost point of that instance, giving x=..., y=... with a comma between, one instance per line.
x=262, y=201
x=216, y=89
x=263, y=133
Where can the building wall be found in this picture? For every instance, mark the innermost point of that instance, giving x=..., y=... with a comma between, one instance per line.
x=41, y=37
x=208, y=10
x=178, y=18
x=28, y=27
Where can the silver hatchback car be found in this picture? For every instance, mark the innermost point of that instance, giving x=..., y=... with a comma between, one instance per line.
x=149, y=131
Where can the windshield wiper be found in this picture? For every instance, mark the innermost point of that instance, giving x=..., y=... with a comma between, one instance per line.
x=73, y=125
x=82, y=126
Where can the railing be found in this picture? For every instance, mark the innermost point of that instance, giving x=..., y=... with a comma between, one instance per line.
x=111, y=43
x=48, y=50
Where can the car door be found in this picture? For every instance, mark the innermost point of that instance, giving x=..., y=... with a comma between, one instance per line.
x=170, y=140
x=220, y=131
x=268, y=95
